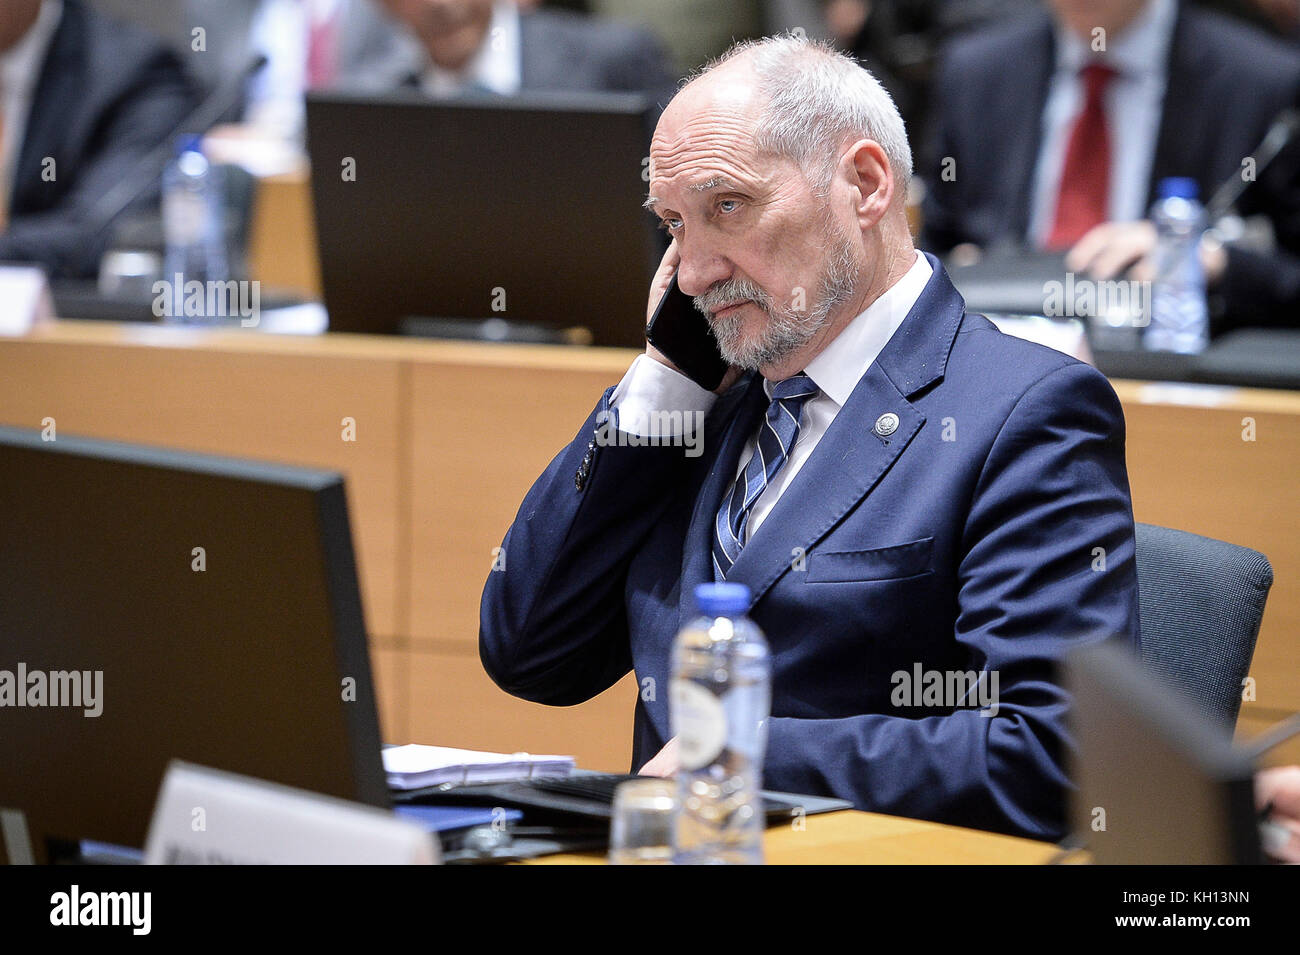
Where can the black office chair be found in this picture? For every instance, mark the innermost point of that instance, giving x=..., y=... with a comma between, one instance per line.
x=1200, y=602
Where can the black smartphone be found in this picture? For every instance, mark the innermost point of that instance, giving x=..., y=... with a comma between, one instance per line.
x=682, y=333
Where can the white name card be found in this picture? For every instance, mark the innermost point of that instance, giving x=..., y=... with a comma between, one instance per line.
x=24, y=299
x=209, y=817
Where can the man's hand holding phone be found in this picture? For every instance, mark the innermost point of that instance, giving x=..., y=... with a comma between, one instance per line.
x=678, y=334
x=659, y=284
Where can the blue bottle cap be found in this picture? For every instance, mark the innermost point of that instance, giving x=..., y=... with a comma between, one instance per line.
x=1177, y=187
x=720, y=600
x=189, y=143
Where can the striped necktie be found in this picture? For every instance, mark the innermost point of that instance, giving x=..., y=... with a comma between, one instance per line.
x=775, y=439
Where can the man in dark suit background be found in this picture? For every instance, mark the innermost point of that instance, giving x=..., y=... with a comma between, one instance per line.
x=443, y=46
x=85, y=99
x=907, y=492
x=1179, y=91
x=447, y=47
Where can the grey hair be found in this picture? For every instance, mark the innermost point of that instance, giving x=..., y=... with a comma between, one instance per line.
x=818, y=99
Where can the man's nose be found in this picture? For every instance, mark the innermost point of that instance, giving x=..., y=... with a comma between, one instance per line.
x=700, y=270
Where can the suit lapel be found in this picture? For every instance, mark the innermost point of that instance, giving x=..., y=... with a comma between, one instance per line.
x=848, y=462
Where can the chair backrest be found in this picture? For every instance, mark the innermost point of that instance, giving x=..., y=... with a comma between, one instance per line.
x=1200, y=604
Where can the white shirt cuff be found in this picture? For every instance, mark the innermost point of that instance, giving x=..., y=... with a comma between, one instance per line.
x=651, y=387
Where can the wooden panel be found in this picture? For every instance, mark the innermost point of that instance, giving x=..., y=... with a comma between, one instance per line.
x=243, y=403
x=388, y=668
x=453, y=702
x=282, y=236
x=480, y=437
x=1190, y=468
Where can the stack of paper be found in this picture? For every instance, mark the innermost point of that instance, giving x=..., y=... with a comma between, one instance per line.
x=414, y=766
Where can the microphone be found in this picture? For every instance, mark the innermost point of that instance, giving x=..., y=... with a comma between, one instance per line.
x=204, y=116
x=1279, y=136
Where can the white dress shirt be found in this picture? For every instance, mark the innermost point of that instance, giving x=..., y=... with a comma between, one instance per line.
x=20, y=71
x=497, y=67
x=651, y=386
x=1133, y=101
x=281, y=30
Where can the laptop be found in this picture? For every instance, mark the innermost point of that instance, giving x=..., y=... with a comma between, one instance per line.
x=518, y=217
x=159, y=605
x=586, y=799
x=181, y=606
x=1158, y=783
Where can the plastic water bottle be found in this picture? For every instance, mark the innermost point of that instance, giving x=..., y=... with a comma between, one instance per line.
x=719, y=704
x=193, y=231
x=1179, y=317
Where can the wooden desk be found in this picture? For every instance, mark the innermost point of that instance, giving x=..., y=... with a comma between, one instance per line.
x=866, y=838
x=450, y=436
x=282, y=251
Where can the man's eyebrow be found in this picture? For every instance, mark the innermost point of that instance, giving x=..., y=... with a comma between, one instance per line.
x=713, y=182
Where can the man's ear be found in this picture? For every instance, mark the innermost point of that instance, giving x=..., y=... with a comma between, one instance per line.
x=868, y=170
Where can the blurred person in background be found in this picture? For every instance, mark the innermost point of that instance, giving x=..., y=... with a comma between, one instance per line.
x=307, y=45
x=897, y=39
x=453, y=47
x=83, y=99
x=694, y=31
x=444, y=47
x=1053, y=130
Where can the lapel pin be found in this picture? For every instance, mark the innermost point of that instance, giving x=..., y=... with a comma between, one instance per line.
x=886, y=424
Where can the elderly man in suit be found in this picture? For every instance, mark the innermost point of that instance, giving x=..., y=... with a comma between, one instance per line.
x=907, y=492
x=1055, y=129
x=83, y=99
x=448, y=47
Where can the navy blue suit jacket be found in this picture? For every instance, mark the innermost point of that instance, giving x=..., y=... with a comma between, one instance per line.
x=991, y=531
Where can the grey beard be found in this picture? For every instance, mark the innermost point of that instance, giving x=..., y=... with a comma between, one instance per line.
x=787, y=329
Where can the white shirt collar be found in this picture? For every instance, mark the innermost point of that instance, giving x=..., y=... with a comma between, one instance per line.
x=840, y=365
x=20, y=65
x=1139, y=49
x=497, y=66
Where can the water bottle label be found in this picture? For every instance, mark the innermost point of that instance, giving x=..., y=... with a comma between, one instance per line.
x=183, y=215
x=699, y=723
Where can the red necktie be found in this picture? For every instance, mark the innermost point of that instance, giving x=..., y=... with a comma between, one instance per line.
x=1085, y=177
x=321, y=39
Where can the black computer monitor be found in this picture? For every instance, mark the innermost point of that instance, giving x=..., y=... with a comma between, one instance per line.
x=527, y=209
x=1157, y=782
x=248, y=655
